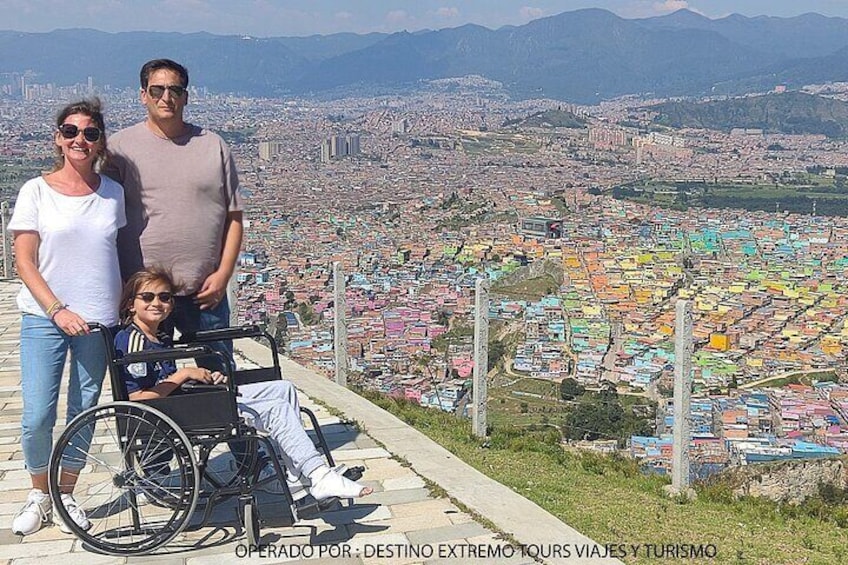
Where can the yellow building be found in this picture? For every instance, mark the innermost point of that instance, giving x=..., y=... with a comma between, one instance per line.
x=719, y=341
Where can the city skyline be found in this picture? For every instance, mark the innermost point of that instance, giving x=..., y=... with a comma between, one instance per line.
x=266, y=18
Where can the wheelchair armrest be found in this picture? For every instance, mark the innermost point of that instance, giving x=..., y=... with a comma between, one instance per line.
x=258, y=375
x=192, y=386
x=170, y=354
x=221, y=334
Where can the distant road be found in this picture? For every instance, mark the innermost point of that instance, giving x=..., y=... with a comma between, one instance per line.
x=760, y=382
x=616, y=344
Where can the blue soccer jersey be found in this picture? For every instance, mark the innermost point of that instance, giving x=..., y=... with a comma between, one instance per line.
x=142, y=376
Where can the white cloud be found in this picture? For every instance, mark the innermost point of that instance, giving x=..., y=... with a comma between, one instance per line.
x=447, y=12
x=397, y=17
x=530, y=13
x=343, y=16
x=671, y=5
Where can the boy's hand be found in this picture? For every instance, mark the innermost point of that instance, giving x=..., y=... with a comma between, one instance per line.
x=209, y=377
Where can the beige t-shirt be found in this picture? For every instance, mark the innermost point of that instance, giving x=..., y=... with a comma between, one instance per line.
x=178, y=194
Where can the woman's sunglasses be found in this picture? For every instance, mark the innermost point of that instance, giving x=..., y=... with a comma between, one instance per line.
x=70, y=131
x=147, y=297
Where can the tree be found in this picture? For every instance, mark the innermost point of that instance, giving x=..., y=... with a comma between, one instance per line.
x=496, y=352
x=569, y=389
x=307, y=314
x=595, y=419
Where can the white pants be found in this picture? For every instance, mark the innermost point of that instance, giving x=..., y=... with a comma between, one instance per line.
x=272, y=407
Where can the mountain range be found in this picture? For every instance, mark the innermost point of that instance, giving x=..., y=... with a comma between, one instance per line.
x=790, y=113
x=582, y=56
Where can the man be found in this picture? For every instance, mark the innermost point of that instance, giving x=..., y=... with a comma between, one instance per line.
x=184, y=212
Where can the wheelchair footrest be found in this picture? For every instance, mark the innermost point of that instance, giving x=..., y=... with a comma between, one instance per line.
x=354, y=473
x=309, y=508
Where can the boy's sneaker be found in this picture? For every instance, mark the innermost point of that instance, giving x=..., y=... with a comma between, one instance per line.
x=141, y=498
x=77, y=515
x=34, y=514
x=268, y=482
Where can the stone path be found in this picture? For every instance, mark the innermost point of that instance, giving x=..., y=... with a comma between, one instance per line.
x=403, y=522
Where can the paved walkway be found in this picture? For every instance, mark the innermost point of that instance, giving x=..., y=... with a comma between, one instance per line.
x=402, y=522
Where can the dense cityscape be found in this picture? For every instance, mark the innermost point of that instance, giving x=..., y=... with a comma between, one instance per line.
x=418, y=195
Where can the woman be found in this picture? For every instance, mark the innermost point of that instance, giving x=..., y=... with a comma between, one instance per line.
x=65, y=226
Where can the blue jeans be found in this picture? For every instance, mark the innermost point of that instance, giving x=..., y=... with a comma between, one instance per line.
x=44, y=348
x=188, y=318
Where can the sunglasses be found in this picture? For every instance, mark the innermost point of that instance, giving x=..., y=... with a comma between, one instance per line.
x=147, y=297
x=157, y=91
x=70, y=131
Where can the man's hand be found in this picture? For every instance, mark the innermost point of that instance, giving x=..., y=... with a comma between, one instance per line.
x=213, y=291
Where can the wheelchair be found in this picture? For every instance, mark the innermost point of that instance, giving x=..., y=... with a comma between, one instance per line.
x=143, y=478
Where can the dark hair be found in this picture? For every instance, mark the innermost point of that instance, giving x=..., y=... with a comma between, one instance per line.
x=157, y=64
x=87, y=107
x=138, y=280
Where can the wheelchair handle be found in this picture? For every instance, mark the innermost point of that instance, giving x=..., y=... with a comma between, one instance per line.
x=222, y=334
x=164, y=354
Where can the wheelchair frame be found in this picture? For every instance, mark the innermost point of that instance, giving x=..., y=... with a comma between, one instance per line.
x=146, y=439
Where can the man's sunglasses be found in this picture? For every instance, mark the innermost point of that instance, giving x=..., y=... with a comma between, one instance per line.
x=148, y=297
x=157, y=91
x=70, y=131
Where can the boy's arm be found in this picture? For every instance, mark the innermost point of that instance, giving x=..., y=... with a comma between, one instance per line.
x=168, y=385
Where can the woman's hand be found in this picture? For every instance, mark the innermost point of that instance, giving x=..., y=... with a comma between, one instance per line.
x=71, y=323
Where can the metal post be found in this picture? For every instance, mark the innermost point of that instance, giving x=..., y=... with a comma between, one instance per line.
x=7, y=254
x=339, y=324
x=232, y=299
x=682, y=396
x=481, y=356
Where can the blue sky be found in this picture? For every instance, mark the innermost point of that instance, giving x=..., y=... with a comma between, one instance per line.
x=266, y=18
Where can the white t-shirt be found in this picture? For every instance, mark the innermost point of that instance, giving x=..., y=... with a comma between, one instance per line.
x=77, y=253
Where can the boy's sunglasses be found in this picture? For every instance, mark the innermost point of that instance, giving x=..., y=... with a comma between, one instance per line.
x=148, y=297
x=157, y=91
x=70, y=131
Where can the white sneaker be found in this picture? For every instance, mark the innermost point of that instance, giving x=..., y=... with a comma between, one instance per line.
x=158, y=489
x=77, y=515
x=34, y=514
x=141, y=498
x=273, y=486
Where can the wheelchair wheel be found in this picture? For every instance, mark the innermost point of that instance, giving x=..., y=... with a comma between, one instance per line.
x=139, y=453
x=249, y=514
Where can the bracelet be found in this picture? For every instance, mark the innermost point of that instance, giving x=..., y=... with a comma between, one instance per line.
x=54, y=309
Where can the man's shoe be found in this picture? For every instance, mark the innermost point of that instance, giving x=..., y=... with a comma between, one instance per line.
x=34, y=514
x=77, y=515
